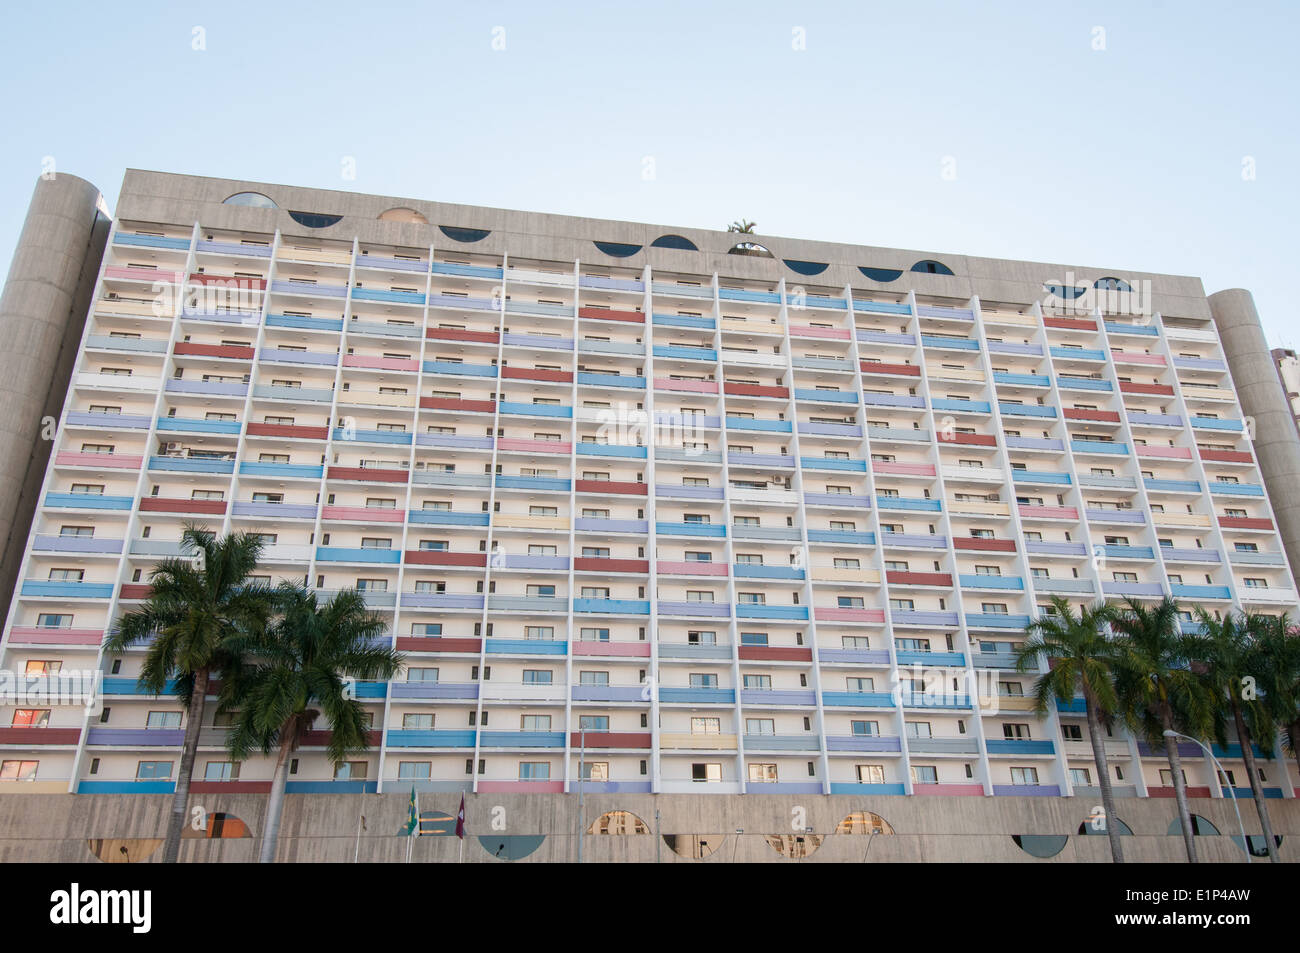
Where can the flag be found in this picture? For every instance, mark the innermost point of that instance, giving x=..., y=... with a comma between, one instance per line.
x=460, y=819
x=412, y=825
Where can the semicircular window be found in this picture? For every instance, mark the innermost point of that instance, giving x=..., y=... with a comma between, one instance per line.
x=408, y=215
x=1098, y=826
x=1256, y=844
x=750, y=248
x=881, y=274
x=251, y=199
x=1112, y=284
x=617, y=249
x=315, y=219
x=219, y=825
x=466, y=235
x=864, y=822
x=929, y=266
x=1065, y=292
x=618, y=822
x=794, y=846
x=511, y=846
x=1041, y=845
x=1200, y=827
x=436, y=824
x=674, y=241
x=805, y=267
x=694, y=846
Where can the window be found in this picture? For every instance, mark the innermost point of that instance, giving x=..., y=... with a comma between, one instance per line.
x=534, y=722
x=421, y=674
x=153, y=770
x=221, y=771
x=860, y=684
x=1081, y=776
x=703, y=680
x=701, y=638
x=538, y=676
x=760, y=726
x=31, y=718
x=600, y=679
x=753, y=638
x=414, y=770
x=534, y=770
x=865, y=729
x=18, y=770
x=871, y=773
x=545, y=632
x=1027, y=776
x=925, y=774
x=918, y=729
x=762, y=772
x=758, y=682
x=709, y=771
x=706, y=726
x=163, y=719
x=593, y=722
x=417, y=721
x=594, y=635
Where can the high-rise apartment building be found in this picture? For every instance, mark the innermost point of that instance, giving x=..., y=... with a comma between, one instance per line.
x=705, y=512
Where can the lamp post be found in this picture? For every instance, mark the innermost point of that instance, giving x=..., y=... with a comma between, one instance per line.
x=1170, y=735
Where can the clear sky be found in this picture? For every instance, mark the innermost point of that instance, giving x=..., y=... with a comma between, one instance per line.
x=1108, y=134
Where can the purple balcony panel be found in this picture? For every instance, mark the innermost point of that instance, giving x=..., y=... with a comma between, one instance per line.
x=759, y=696
x=134, y=421
x=881, y=337
x=862, y=743
x=78, y=544
x=1165, y=420
x=1056, y=549
x=1191, y=555
x=207, y=387
x=1117, y=516
x=837, y=430
x=1132, y=588
x=718, y=609
x=537, y=562
x=590, y=525
x=434, y=690
x=914, y=539
x=135, y=737
x=1008, y=347
x=609, y=693
x=1034, y=443
x=838, y=499
x=1026, y=790
x=698, y=420
x=537, y=340
x=286, y=510
x=910, y=617
x=892, y=400
x=760, y=460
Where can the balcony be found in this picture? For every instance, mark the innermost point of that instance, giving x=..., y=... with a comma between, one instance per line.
x=76, y=544
x=996, y=620
x=701, y=696
x=683, y=741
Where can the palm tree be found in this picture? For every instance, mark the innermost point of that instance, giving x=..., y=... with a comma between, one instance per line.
x=196, y=607
x=743, y=226
x=1081, y=657
x=1230, y=646
x=1275, y=664
x=302, y=665
x=1157, y=689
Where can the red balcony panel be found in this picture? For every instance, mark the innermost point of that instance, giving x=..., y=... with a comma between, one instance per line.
x=461, y=334
x=1244, y=522
x=878, y=367
x=535, y=374
x=135, y=590
x=230, y=787
x=609, y=314
x=1076, y=413
x=984, y=545
x=465, y=406
x=774, y=653
x=1073, y=324
x=368, y=474
x=380, y=363
x=287, y=430
x=1132, y=387
x=1169, y=791
x=441, y=557
x=213, y=350
x=611, y=739
x=754, y=390
x=230, y=281
x=39, y=736
x=48, y=635
x=424, y=643
x=321, y=738
x=610, y=486
x=162, y=504
x=599, y=564
x=969, y=439
x=1226, y=456
x=918, y=578
x=363, y=514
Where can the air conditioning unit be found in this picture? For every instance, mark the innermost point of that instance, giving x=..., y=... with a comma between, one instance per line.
x=171, y=447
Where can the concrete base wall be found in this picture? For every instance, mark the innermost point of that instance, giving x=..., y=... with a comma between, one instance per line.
x=323, y=828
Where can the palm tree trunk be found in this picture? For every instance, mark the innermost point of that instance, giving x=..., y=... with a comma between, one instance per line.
x=1248, y=755
x=275, y=806
x=1103, y=778
x=190, y=748
x=1180, y=786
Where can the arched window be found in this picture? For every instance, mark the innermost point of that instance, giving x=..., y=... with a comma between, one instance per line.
x=1065, y=292
x=864, y=822
x=466, y=235
x=674, y=241
x=315, y=219
x=408, y=215
x=1041, y=845
x=1112, y=284
x=617, y=249
x=750, y=248
x=929, y=266
x=618, y=822
x=805, y=267
x=251, y=199
x=881, y=274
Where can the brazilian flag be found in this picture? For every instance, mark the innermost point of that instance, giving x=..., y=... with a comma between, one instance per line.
x=413, y=825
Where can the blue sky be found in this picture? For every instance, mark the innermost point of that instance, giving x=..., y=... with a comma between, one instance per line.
x=1127, y=157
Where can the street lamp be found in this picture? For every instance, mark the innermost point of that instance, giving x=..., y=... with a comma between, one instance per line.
x=1170, y=735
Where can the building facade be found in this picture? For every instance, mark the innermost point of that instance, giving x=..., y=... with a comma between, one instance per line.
x=674, y=511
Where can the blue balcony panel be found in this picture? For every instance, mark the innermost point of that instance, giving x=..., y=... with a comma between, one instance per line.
x=416, y=738
x=526, y=647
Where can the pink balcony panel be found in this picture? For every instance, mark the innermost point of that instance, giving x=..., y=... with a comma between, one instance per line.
x=1169, y=453
x=380, y=363
x=803, y=330
x=835, y=614
x=108, y=461
x=694, y=387
x=534, y=446
x=692, y=568
x=903, y=469
x=368, y=514
x=1124, y=357
x=141, y=274
x=617, y=649
x=42, y=635
x=1050, y=512
x=949, y=790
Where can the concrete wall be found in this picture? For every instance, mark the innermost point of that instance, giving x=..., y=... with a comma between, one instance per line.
x=42, y=313
x=1277, y=442
x=323, y=828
